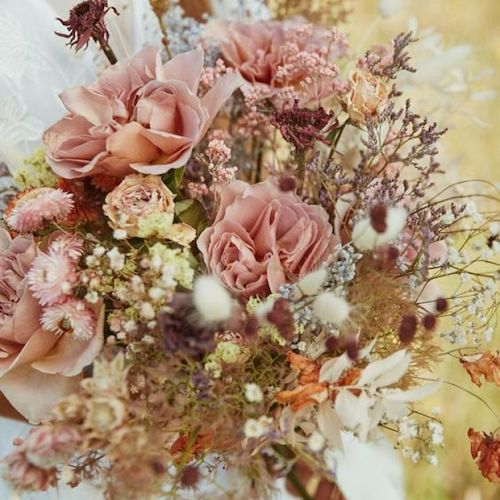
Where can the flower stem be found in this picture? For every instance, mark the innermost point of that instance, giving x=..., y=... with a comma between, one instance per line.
x=164, y=40
x=108, y=51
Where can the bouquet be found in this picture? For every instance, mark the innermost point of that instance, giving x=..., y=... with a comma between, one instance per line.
x=223, y=272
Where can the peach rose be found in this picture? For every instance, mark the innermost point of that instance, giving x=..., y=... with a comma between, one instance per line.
x=143, y=206
x=140, y=115
x=263, y=237
x=37, y=367
x=367, y=97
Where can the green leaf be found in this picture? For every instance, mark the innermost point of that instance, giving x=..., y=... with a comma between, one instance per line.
x=191, y=212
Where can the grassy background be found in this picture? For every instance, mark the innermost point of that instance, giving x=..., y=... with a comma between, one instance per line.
x=477, y=150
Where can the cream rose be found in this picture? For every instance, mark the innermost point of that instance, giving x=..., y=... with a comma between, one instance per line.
x=367, y=97
x=143, y=206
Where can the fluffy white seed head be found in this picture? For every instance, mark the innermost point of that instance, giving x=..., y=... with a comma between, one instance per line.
x=396, y=221
x=311, y=283
x=211, y=300
x=330, y=308
x=366, y=238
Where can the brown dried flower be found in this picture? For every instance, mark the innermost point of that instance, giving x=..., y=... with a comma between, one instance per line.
x=86, y=22
x=484, y=364
x=485, y=450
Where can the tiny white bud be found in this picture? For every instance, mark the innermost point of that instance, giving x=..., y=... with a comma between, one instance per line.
x=253, y=393
x=99, y=251
x=120, y=234
x=330, y=308
x=147, y=311
x=316, y=442
x=156, y=293
x=116, y=259
x=211, y=299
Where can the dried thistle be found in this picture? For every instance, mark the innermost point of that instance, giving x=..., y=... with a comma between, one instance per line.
x=86, y=22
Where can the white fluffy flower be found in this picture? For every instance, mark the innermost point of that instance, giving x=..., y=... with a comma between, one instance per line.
x=212, y=300
x=257, y=428
x=365, y=237
x=316, y=442
x=116, y=259
x=330, y=308
x=311, y=283
x=253, y=393
x=147, y=311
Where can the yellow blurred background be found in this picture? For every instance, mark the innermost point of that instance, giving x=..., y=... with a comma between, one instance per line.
x=473, y=150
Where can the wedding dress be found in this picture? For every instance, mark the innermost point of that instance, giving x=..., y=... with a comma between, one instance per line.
x=35, y=67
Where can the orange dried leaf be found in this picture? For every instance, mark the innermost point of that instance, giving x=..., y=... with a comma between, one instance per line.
x=485, y=450
x=486, y=364
x=302, y=396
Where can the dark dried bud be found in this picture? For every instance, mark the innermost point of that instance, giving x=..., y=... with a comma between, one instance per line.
x=85, y=23
x=378, y=218
x=250, y=327
x=351, y=347
x=407, y=329
x=429, y=322
x=190, y=477
x=302, y=127
x=180, y=332
x=441, y=304
x=158, y=467
x=288, y=183
x=332, y=343
x=282, y=318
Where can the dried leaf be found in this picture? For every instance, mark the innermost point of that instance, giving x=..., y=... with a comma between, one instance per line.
x=486, y=364
x=485, y=450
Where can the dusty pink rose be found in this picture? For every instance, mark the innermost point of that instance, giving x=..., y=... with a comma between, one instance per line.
x=263, y=237
x=281, y=56
x=139, y=115
x=37, y=367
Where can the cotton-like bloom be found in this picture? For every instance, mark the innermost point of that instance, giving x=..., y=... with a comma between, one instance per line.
x=212, y=300
x=52, y=277
x=38, y=207
x=330, y=308
x=253, y=393
x=71, y=317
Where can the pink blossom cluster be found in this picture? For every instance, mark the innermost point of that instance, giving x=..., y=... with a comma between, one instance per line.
x=32, y=467
x=210, y=75
x=52, y=279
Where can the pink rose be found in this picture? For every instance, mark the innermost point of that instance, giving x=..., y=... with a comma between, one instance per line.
x=139, y=115
x=37, y=367
x=281, y=56
x=263, y=237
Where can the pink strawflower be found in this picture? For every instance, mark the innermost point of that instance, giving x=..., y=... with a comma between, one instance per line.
x=72, y=316
x=68, y=244
x=52, y=277
x=39, y=206
x=24, y=476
